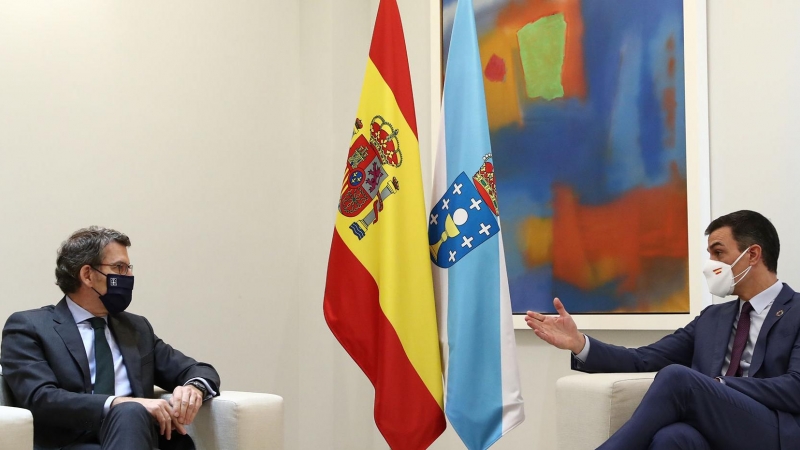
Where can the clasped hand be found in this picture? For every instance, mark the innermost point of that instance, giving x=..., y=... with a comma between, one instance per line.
x=560, y=332
x=174, y=414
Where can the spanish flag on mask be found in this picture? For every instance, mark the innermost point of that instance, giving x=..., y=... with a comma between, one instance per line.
x=379, y=299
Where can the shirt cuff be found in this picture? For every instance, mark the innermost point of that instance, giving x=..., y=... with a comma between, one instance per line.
x=585, y=352
x=210, y=393
x=107, y=405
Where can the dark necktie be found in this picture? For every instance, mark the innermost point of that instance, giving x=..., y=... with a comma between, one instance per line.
x=740, y=340
x=103, y=361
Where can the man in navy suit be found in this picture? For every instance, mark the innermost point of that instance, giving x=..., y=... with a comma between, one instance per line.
x=85, y=368
x=728, y=380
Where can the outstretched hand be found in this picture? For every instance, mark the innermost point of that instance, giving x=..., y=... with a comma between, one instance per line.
x=560, y=332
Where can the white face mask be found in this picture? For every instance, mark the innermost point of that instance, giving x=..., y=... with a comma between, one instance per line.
x=720, y=278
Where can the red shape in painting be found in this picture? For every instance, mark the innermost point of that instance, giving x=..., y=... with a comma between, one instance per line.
x=495, y=69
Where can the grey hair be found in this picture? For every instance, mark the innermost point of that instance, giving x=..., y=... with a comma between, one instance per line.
x=84, y=247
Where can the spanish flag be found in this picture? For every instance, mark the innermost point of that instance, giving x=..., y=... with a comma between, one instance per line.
x=379, y=299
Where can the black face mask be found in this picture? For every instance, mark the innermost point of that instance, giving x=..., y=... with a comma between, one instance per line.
x=119, y=291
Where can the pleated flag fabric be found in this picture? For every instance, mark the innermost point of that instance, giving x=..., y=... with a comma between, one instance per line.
x=379, y=294
x=482, y=390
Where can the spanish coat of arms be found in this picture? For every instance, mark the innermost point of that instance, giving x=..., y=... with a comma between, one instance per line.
x=366, y=183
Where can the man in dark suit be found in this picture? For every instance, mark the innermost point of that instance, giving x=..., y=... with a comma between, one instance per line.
x=86, y=369
x=728, y=380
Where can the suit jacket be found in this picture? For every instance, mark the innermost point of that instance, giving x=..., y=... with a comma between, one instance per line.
x=44, y=363
x=774, y=377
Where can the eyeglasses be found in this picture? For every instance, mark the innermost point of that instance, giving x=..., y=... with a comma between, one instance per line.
x=119, y=268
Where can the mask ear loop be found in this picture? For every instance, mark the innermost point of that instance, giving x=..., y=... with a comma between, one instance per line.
x=743, y=273
x=101, y=273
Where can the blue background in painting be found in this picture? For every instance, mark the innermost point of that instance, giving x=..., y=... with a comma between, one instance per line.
x=601, y=146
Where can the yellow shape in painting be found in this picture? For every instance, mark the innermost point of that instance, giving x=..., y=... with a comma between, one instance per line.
x=536, y=240
x=502, y=95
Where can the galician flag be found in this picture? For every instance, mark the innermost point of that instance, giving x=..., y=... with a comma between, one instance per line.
x=379, y=294
x=476, y=332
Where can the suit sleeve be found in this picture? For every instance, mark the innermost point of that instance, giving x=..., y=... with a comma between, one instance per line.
x=35, y=386
x=676, y=348
x=781, y=393
x=173, y=368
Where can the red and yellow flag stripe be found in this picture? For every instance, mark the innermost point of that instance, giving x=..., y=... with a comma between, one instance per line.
x=379, y=299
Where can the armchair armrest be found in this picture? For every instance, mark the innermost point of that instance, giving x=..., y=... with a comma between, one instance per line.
x=16, y=428
x=237, y=420
x=591, y=407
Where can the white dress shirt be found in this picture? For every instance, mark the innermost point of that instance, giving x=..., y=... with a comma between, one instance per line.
x=761, y=304
x=122, y=385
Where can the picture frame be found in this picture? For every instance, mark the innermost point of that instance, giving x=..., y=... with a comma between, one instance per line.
x=697, y=170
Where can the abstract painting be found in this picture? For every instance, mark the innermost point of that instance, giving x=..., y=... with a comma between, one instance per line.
x=586, y=107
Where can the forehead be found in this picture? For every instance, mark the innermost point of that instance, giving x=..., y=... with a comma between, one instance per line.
x=721, y=236
x=114, y=253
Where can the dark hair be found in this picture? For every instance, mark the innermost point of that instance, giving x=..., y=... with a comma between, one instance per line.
x=749, y=228
x=85, y=246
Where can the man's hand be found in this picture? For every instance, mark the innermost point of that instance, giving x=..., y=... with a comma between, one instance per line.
x=186, y=401
x=160, y=410
x=558, y=331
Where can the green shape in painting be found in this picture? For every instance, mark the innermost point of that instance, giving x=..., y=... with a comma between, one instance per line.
x=541, y=49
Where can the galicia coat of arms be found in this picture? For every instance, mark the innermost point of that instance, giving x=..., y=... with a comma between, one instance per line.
x=367, y=184
x=465, y=217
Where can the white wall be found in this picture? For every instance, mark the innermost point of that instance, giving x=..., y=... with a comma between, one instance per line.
x=178, y=123
x=754, y=65
x=214, y=134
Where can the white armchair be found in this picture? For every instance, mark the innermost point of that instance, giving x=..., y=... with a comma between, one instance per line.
x=16, y=424
x=237, y=421
x=597, y=405
x=232, y=421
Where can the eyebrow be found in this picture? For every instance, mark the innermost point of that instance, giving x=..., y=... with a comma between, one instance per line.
x=715, y=244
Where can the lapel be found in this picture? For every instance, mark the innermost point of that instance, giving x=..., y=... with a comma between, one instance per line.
x=782, y=302
x=722, y=335
x=66, y=328
x=125, y=336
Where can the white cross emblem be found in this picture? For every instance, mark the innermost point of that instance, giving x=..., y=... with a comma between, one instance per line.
x=452, y=256
x=445, y=203
x=476, y=204
x=457, y=188
x=467, y=242
x=434, y=219
x=485, y=229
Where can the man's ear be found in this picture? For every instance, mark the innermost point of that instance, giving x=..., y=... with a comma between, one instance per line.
x=754, y=254
x=85, y=275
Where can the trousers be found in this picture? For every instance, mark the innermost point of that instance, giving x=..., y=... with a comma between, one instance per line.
x=685, y=409
x=129, y=426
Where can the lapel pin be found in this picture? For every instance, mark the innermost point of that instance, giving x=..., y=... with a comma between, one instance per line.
x=779, y=313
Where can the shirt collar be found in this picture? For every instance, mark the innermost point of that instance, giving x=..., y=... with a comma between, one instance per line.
x=764, y=298
x=78, y=313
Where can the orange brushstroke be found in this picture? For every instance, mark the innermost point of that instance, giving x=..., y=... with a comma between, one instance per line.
x=669, y=104
x=671, y=68
x=502, y=98
x=593, y=245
